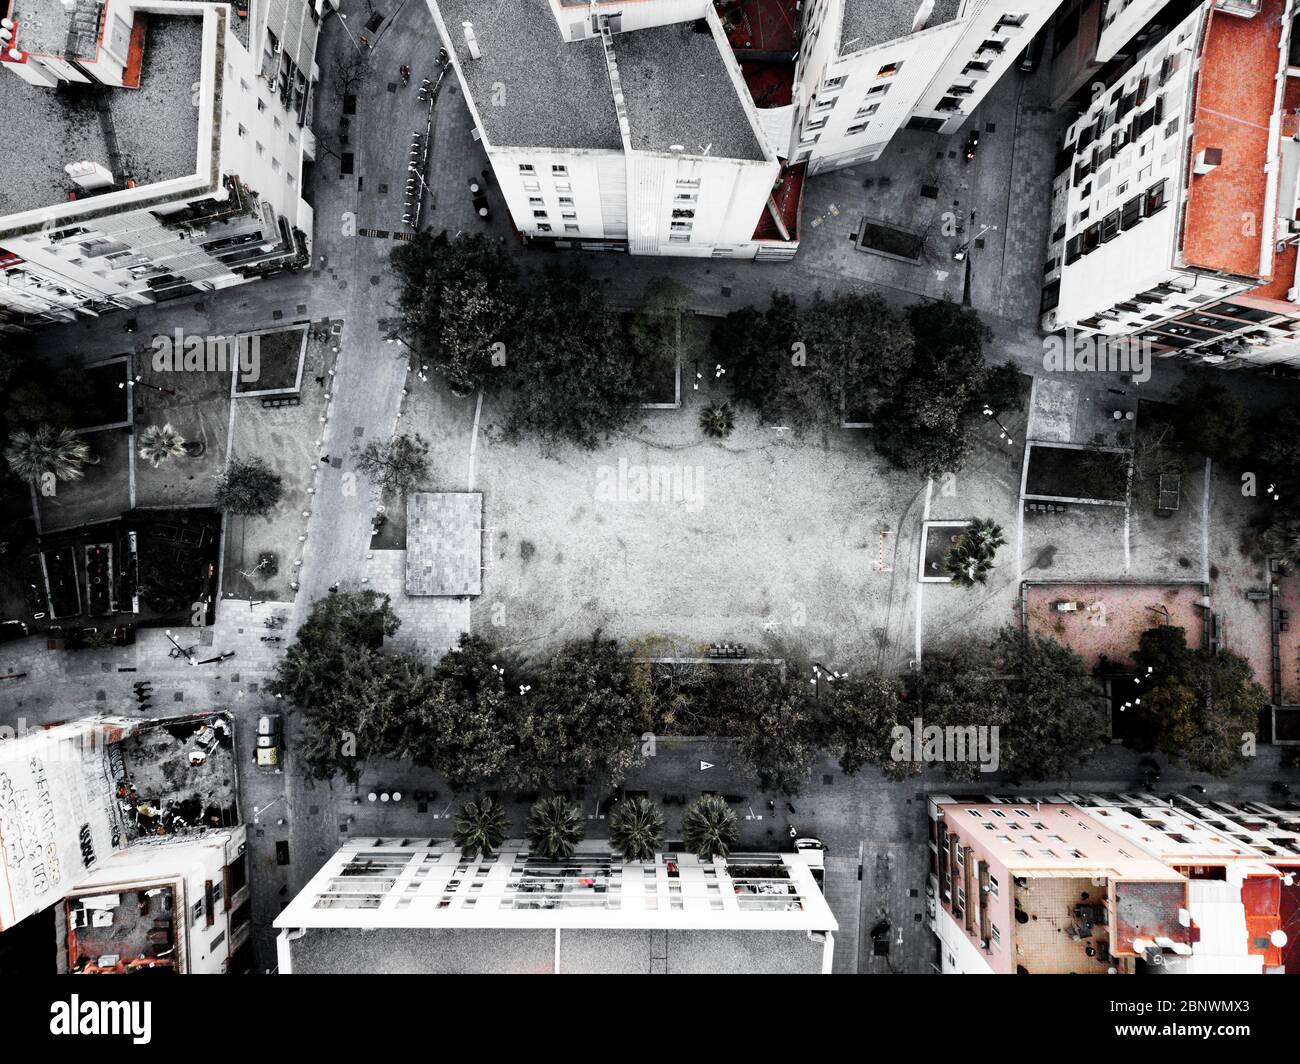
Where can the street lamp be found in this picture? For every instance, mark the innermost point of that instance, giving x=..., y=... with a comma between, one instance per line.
x=183, y=652
x=343, y=21
x=1005, y=434
x=138, y=381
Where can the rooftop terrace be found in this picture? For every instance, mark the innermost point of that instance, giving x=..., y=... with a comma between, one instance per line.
x=556, y=93
x=156, y=125
x=868, y=23
x=678, y=91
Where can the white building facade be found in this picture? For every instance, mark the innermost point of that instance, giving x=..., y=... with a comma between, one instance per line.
x=186, y=129
x=868, y=68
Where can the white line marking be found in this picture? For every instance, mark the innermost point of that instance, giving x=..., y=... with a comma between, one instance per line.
x=1205, y=526
x=473, y=440
x=920, y=587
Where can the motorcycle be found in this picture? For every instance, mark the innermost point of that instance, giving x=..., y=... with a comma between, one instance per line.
x=972, y=142
x=405, y=71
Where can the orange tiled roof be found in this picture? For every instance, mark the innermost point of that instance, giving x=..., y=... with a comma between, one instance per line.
x=1234, y=103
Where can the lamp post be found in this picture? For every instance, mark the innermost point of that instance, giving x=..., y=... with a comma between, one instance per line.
x=1005, y=433
x=183, y=652
x=137, y=381
x=343, y=21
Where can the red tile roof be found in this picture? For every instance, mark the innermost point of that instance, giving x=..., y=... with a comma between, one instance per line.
x=1234, y=103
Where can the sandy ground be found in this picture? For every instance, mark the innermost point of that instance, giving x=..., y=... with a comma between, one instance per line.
x=1111, y=619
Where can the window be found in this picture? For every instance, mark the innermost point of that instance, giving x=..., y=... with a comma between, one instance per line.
x=539, y=214
x=241, y=130
x=683, y=212
x=867, y=111
x=536, y=201
x=877, y=90
x=542, y=227
x=526, y=168
x=569, y=227
x=1010, y=22
x=889, y=70
x=560, y=171
x=688, y=182
x=995, y=935
x=834, y=83
x=563, y=186
x=258, y=146
x=858, y=128
x=566, y=201
x=275, y=164
x=197, y=912
x=993, y=886
x=532, y=186
x=685, y=197
x=261, y=104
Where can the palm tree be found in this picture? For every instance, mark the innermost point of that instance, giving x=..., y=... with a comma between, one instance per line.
x=159, y=444
x=717, y=420
x=710, y=827
x=480, y=828
x=970, y=559
x=47, y=450
x=554, y=827
x=636, y=829
x=1283, y=539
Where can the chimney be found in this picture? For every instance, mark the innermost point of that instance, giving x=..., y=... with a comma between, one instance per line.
x=1206, y=160
x=923, y=14
x=471, y=42
x=89, y=176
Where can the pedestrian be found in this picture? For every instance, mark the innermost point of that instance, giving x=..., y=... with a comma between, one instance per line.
x=320, y=380
x=325, y=459
x=793, y=834
x=365, y=40
x=334, y=589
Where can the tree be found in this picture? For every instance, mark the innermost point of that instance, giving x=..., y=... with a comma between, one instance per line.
x=970, y=559
x=398, y=466
x=459, y=298
x=1004, y=388
x=859, y=719
x=809, y=367
x=480, y=828
x=157, y=444
x=923, y=426
x=349, y=73
x=554, y=828
x=717, y=420
x=1282, y=538
x=636, y=829
x=1195, y=704
x=47, y=451
x=709, y=827
x=248, y=487
x=358, y=702
x=471, y=728
x=1210, y=420
x=1046, y=710
x=584, y=719
x=777, y=732
x=572, y=371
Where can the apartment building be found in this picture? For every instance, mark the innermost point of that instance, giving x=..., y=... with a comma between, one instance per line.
x=177, y=905
x=616, y=126
x=1174, y=204
x=1112, y=884
x=1093, y=38
x=129, y=831
x=417, y=905
x=868, y=68
x=158, y=150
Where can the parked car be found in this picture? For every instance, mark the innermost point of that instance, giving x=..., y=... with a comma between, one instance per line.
x=270, y=741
